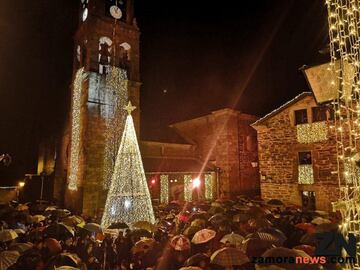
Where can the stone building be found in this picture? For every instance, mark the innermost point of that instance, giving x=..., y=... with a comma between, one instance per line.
x=218, y=150
x=297, y=154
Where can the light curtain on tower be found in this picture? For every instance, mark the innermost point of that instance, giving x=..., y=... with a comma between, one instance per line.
x=128, y=199
x=116, y=96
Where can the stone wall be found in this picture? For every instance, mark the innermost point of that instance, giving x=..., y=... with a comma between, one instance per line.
x=278, y=159
x=222, y=138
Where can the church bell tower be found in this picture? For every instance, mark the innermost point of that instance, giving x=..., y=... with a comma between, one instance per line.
x=105, y=77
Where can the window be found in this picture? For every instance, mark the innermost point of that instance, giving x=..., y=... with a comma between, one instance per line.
x=319, y=114
x=301, y=117
x=305, y=158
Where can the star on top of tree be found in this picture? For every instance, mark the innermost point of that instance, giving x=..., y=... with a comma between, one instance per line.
x=129, y=108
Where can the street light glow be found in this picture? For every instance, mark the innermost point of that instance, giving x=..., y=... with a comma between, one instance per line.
x=196, y=182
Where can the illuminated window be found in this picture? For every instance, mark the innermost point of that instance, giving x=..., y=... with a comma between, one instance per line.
x=305, y=169
x=301, y=117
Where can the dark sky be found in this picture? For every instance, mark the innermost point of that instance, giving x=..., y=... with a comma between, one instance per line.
x=206, y=55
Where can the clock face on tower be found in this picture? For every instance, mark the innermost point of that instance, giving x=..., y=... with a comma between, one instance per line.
x=116, y=9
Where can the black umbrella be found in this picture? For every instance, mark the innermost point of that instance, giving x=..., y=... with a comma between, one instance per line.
x=196, y=259
x=58, y=231
x=137, y=234
x=63, y=259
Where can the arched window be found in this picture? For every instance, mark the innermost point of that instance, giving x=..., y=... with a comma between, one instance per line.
x=104, y=54
x=124, y=55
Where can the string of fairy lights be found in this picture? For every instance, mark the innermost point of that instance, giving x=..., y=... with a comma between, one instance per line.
x=312, y=132
x=75, y=130
x=344, y=23
x=116, y=88
x=128, y=199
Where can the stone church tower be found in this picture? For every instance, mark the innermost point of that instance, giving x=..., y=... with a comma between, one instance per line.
x=107, y=38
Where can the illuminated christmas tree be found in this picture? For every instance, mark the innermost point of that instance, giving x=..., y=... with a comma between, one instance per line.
x=128, y=199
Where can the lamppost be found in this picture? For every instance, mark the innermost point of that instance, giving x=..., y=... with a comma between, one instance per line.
x=42, y=176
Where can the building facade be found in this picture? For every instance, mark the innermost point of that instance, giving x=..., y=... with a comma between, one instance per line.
x=297, y=154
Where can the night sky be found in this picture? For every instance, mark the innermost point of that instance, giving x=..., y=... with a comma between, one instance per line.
x=206, y=56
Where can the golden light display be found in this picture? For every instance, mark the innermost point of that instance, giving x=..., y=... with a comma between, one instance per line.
x=187, y=188
x=343, y=19
x=208, y=187
x=312, y=132
x=75, y=130
x=164, y=188
x=306, y=174
x=116, y=91
x=128, y=199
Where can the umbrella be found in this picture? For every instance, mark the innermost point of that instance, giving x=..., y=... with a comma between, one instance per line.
x=232, y=239
x=281, y=238
x=198, y=222
x=61, y=213
x=180, y=243
x=93, y=227
x=8, y=258
x=310, y=250
x=145, y=225
x=143, y=245
x=63, y=259
x=275, y=202
x=196, y=259
x=50, y=208
x=254, y=247
x=19, y=231
x=59, y=231
x=74, y=221
x=137, y=234
x=203, y=236
x=308, y=227
x=218, y=219
x=37, y=218
x=118, y=225
x=229, y=256
x=242, y=217
x=259, y=223
x=320, y=220
x=21, y=247
x=191, y=230
x=190, y=268
x=8, y=235
x=215, y=210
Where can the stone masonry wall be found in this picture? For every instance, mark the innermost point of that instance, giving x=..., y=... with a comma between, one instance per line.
x=278, y=159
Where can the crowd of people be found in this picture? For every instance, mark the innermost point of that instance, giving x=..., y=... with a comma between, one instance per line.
x=222, y=234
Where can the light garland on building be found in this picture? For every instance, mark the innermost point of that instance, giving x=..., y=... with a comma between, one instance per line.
x=164, y=188
x=128, y=199
x=344, y=25
x=306, y=174
x=75, y=130
x=116, y=98
x=208, y=186
x=312, y=132
x=187, y=188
